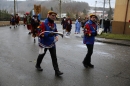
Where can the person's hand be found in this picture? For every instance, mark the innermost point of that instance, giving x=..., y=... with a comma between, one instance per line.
x=89, y=34
x=51, y=34
x=56, y=38
x=42, y=35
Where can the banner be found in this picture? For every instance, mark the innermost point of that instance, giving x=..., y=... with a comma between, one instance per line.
x=37, y=9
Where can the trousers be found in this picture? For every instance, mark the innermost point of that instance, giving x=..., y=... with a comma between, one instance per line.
x=53, y=57
x=87, y=59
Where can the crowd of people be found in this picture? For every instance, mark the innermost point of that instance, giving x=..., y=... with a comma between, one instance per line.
x=47, y=34
x=14, y=20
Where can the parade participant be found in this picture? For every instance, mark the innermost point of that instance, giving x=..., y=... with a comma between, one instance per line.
x=35, y=23
x=84, y=21
x=68, y=26
x=47, y=42
x=63, y=23
x=29, y=26
x=77, y=26
x=24, y=19
x=89, y=36
x=12, y=21
x=17, y=20
x=107, y=26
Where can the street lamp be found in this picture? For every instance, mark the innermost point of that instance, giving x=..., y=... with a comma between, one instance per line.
x=95, y=7
x=14, y=7
x=17, y=6
x=60, y=9
x=103, y=14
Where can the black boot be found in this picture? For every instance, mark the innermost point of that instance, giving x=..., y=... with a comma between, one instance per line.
x=39, y=60
x=39, y=68
x=58, y=73
x=86, y=66
x=90, y=65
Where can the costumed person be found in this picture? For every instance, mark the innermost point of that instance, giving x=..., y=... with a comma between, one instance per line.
x=24, y=19
x=63, y=23
x=17, y=19
x=47, y=41
x=83, y=24
x=89, y=37
x=29, y=26
x=68, y=26
x=12, y=21
x=77, y=26
x=35, y=23
x=84, y=21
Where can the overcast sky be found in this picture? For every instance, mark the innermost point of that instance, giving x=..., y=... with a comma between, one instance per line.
x=90, y=2
x=99, y=2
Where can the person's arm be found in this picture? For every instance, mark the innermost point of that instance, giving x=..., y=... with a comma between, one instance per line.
x=42, y=29
x=87, y=30
x=56, y=35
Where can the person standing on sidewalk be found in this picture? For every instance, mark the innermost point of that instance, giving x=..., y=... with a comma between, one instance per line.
x=89, y=37
x=107, y=26
x=47, y=41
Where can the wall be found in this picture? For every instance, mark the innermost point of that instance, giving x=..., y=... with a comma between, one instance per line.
x=118, y=25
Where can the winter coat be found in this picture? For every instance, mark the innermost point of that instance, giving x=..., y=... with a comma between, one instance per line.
x=90, y=32
x=48, y=39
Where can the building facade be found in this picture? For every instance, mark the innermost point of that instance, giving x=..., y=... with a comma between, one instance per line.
x=120, y=24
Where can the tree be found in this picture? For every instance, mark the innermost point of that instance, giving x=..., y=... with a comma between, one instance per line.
x=44, y=12
x=110, y=10
x=84, y=11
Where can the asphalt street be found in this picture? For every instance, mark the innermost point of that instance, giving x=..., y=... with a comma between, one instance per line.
x=18, y=56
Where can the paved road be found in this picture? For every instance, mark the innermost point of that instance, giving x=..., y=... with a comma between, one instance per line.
x=18, y=56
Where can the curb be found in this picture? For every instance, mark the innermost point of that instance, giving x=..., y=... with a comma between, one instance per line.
x=109, y=42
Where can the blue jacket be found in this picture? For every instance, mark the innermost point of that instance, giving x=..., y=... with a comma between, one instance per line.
x=90, y=32
x=77, y=24
x=47, y=41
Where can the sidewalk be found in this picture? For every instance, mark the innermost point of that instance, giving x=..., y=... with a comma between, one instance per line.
x=113, y=41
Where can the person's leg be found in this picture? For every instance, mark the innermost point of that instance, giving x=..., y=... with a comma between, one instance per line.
x=75, y=30
x=87, y=59
x=42, y=53
x=54, y=61
x=79, y=30
x=105, y=30
x=109, y=29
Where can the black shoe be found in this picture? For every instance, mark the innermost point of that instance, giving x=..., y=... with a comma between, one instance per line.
x=29, y=33
x=39, y=68
x=58, y=73
x=86, y=66
x=90, y=65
